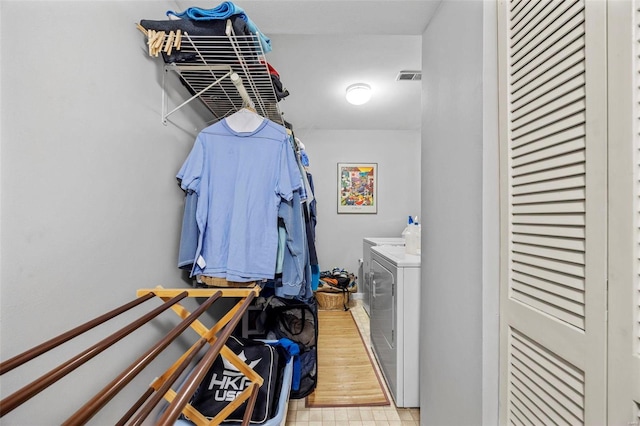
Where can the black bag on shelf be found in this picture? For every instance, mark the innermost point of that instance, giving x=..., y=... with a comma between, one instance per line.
x=223, y=382
x=298, y=322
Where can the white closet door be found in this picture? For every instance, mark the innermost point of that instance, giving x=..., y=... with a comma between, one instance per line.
x=553, y=212
x=624, y=212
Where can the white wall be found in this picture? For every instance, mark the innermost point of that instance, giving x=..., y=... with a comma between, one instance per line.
x=90, y=206
x=339, y=236
x=452, y=363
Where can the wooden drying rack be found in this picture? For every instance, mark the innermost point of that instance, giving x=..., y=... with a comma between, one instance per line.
x=160, y=388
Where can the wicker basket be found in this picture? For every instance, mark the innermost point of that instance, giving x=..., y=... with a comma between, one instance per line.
x=332, y=301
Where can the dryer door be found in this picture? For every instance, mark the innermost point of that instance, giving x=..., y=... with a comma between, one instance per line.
x=383, y=318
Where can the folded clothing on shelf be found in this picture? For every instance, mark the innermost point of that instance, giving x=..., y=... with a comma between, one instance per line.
x=223, y=11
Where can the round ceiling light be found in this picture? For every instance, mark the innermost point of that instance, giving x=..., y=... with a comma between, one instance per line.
x=358, y=94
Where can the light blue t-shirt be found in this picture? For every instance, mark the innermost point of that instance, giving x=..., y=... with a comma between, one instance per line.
x=240, y=179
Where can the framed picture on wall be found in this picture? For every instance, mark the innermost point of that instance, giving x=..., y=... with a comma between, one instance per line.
x=357, y=187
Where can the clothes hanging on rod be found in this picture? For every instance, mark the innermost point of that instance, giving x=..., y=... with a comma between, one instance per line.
x=295, y=250
x=301, y=271
x=189, y=232
x=296, y=272
x=240, y=179
x=311, y=219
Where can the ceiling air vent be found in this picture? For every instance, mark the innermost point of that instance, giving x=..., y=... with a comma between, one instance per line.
x=409, y=75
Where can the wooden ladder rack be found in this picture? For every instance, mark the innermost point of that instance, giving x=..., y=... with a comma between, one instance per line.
x=160, y=389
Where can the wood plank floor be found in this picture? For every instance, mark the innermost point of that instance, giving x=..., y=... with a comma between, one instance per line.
x=300, y=415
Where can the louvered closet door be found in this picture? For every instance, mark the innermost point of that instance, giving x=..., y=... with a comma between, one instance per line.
x=553, y=212
x=624, y=212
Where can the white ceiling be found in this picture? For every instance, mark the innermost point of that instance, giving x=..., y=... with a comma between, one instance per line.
x=317, y=69
x=322, y=46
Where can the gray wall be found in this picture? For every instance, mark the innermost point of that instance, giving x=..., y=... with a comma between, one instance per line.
x=339, y=236
x=454, y=368
x=90, y=206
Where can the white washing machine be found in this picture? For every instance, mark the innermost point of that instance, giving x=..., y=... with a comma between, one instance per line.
x=395, y=320
x=364, y=283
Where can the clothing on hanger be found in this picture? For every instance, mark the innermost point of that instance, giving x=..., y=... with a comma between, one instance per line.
x=240, y=179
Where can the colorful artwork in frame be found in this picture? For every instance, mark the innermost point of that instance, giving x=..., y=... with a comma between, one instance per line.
x=357, y=187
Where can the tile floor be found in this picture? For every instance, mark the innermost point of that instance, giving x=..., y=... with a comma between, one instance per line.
x=299, y=415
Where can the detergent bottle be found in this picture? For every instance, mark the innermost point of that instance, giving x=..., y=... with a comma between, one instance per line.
x=412, y=238
x=418, y=236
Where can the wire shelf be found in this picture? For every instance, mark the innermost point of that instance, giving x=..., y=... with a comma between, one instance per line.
x=226, y=73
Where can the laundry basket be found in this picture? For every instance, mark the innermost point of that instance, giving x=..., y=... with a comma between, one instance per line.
x=335, y=288
x=330, y=301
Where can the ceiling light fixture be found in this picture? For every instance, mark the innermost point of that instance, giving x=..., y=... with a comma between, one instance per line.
x=358, y=93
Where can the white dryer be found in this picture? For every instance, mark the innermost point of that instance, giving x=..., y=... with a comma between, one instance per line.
x=395, y=320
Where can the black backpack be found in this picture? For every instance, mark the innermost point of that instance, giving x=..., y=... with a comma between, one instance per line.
x=296, y=321
x=223, y=381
